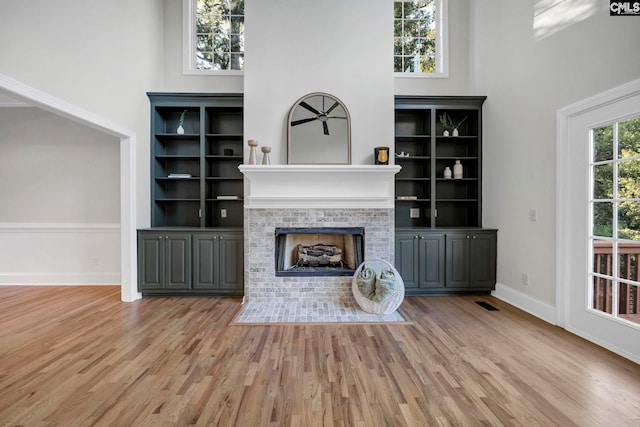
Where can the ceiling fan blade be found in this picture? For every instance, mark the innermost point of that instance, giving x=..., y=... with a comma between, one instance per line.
x=332, y=107
x=325, y=127
x=336, y=117
x=309, y=107
x=301, y=121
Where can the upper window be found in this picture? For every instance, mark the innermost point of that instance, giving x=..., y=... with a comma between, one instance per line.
x=215, y=35
x=419, y=37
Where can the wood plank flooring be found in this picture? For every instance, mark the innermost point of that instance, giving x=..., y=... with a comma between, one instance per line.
x=77, y=356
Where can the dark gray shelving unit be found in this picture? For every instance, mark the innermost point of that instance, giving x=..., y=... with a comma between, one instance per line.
x=431, y=211
x=197, y=192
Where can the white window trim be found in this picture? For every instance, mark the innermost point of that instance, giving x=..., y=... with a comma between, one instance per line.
x=188, y=45
x=442, y=46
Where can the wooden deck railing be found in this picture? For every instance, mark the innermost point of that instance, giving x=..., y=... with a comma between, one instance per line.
x=628, y=295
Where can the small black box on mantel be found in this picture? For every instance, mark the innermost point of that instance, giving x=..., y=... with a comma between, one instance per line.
x=381, y=155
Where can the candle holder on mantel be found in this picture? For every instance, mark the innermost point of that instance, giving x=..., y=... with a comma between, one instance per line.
x=252, y=151
x=265, y=155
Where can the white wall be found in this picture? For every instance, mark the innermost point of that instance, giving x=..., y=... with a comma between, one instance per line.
x=333, y=46
x=100, y=58
x=529, y=67
x=60, y=200
x=459, y=39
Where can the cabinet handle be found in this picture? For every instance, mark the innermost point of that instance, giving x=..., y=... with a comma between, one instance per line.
x=421, y=237
x=467, y=237
x=473, y=237
x=160, y=237
x=415, y=237
x=166, y=237
x=221, y=238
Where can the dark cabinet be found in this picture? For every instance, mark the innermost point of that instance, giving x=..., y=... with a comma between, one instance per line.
x=446, y=261
x=441, y=246
x=190, y=262
x=471, y=260
x=420, y=260
x=218, y=261
x=195, y=243
x=164, y=261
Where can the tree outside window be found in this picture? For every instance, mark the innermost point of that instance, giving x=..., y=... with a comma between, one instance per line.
x=415, y=36
x=219, y=33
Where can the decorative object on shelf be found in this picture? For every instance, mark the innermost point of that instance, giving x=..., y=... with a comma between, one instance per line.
x=228, y=152
x=265, y=155
x=449, y=125
x=252, y=151
x=447, y=173
x=402, y=154
x=180, y=130
x=381, y=155
x=407, y=198
x=457, y=170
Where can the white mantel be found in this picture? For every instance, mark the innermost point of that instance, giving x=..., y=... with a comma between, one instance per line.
x=319, y=186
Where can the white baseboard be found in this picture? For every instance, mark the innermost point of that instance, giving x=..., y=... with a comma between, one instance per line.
x=526, y=303
x=59, y=279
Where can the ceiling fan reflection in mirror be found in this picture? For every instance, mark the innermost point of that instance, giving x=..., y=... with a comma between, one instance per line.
x=321, y=113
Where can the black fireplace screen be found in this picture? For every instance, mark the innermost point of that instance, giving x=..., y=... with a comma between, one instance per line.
x=318, y=251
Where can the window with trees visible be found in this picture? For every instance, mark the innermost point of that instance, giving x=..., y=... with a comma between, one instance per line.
x=615, y=218
x=215, y=35
x=420, y=37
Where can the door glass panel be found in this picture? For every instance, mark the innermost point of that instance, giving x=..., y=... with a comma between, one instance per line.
x=603, y=181
x=629, y=300
x=603, y=143
x=602, y=294
x=603, y=219
x=615, y=209
x=602, y=257
x=629, y=220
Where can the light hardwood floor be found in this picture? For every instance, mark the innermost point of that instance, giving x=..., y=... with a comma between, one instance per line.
x=78, y=356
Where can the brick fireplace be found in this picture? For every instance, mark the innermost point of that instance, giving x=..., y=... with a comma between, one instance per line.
x=307, y=196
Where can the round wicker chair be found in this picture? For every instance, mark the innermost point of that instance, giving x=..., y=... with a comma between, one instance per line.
x=386, y=306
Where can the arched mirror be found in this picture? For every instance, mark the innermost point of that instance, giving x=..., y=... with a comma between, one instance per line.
x=319, y=131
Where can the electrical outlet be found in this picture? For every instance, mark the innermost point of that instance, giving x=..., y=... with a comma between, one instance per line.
x=533, y=215
x=525, y=279
x=95, y=261
x=414, y=213
x=223, y=213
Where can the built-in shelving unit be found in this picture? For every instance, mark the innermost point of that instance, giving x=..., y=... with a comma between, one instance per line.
x=432, y=209
x=196, y=187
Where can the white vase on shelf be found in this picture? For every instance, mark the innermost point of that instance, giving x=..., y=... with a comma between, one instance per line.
x=454, y=132
x=445, y=133
x=180, y=130
x=457, y=170
x=447, y=173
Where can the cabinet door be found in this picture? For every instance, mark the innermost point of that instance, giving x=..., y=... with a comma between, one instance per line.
x=406, y=259
x=206, y=261
x=482, y=260
x=150, y=261
x=178, y=260
x=231, y=260
x=431, y=261
x=457, y=260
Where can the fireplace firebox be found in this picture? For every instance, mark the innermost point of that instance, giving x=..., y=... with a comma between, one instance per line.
x=318, y=251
